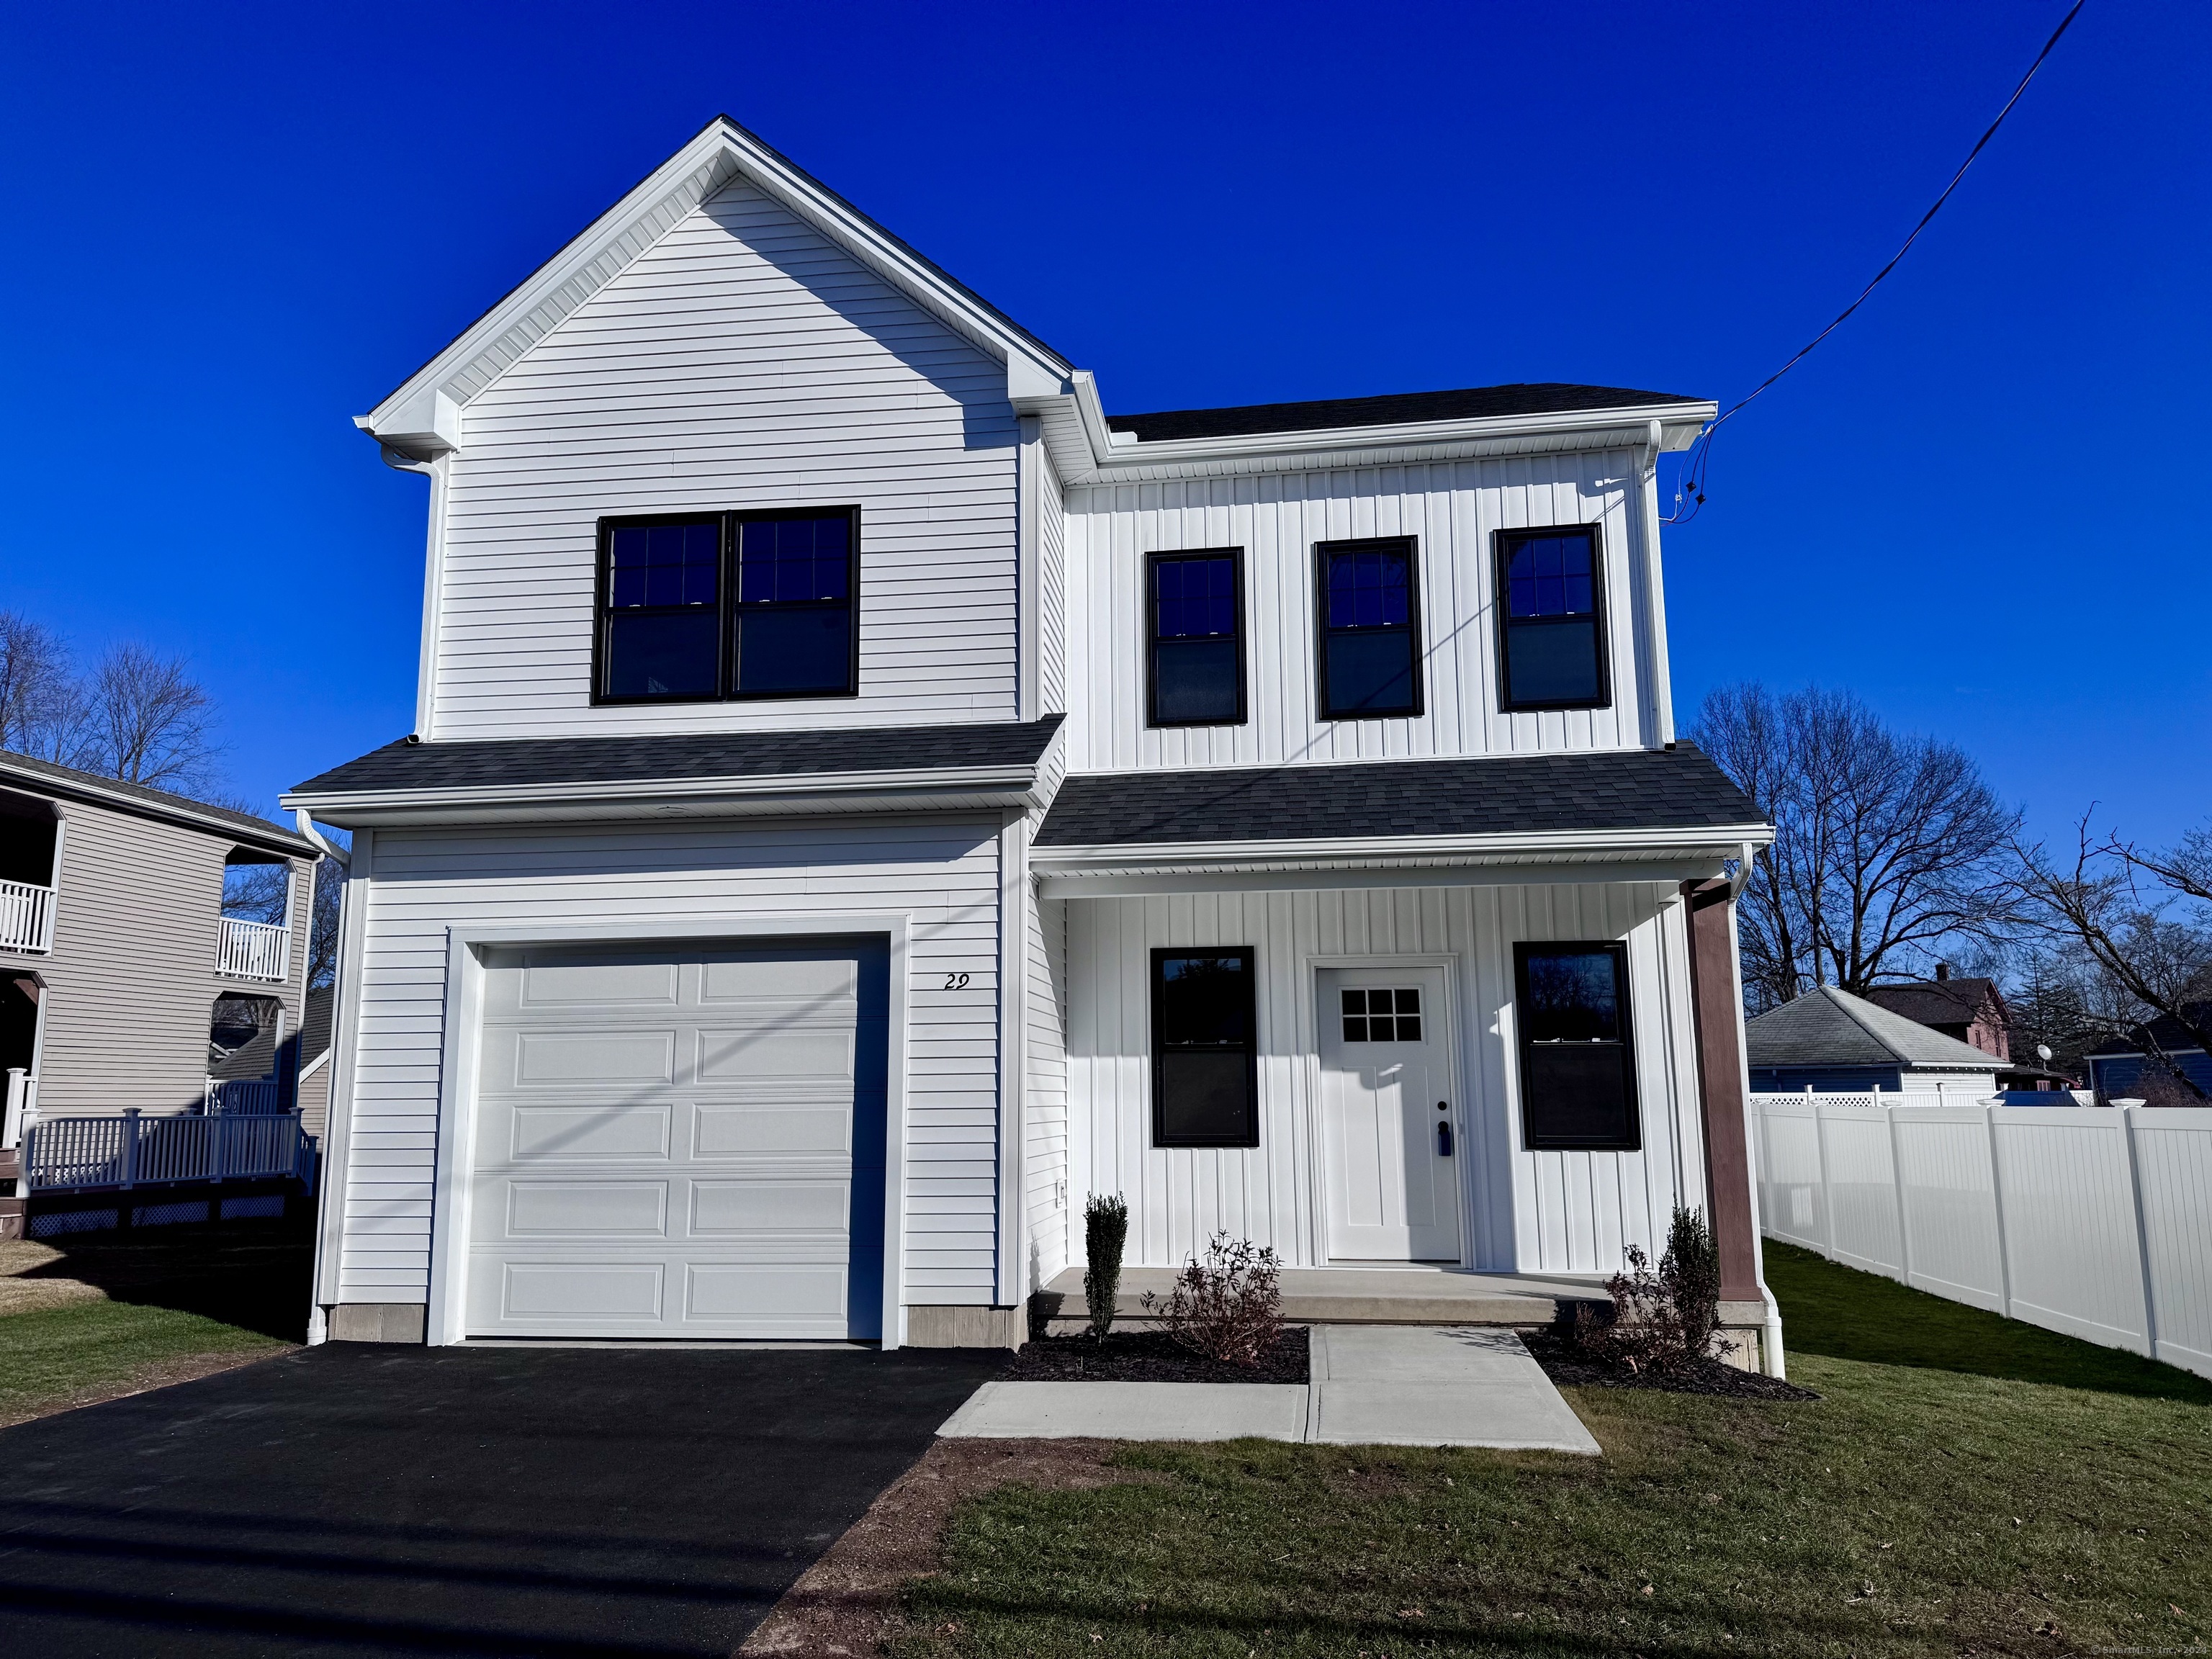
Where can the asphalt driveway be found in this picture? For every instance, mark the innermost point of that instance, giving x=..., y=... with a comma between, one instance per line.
x=362, y=1499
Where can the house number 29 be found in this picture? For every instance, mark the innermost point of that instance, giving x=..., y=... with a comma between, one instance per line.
x=956, y=982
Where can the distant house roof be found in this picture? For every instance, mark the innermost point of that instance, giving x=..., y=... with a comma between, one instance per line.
x=117, y=795
x=2169, y=1033
x=1829, y=1027
x=1938, y=1001
x=1397, y=409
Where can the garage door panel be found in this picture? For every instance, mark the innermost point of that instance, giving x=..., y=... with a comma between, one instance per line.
x=579, y=1290
x=510, y=1133
x=586, y=1209
x=776, y=1050
x=569, y=986
x=733, y=1208
x=731, y=1291
x=729, y=1131
x=665, y=1141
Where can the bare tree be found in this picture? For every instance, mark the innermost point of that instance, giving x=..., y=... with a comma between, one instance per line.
x=322, y=923
x=1888, y=848
x=42, y=706
x=2142, y=920
x=149, y=721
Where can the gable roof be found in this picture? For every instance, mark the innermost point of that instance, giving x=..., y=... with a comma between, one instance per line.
x=1939, y=1001
x=421, y=417
x=1831, y=1027
x=2169, y=1033
x=139, y=800
x=1399, y=409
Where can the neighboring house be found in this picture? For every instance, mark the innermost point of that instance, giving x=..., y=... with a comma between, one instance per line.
x=314, y=1052
x=1833, y=1042
x=865, y=798
x=1972, y=1010
x=2124, y=1068
x=117, y=963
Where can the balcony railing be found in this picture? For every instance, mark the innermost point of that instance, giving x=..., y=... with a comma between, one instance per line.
x=253, y=950
x=26, y=917
x=78, y=1153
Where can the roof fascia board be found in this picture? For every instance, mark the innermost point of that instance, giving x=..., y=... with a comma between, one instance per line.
x=413, y=420
x=1722, y=841
x=270, y=838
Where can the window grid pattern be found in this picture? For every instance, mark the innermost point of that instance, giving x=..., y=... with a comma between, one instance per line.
x=1383, y=1016
x=1551, y=577
x=1197, y=598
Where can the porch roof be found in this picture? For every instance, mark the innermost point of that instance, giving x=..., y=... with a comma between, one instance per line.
x=1677, y=789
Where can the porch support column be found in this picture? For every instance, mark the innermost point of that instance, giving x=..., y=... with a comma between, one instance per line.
x=1714, y=995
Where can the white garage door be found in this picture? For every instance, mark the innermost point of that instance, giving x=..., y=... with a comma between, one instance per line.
x=680, y=1142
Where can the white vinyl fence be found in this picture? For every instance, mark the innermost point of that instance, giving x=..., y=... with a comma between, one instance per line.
x=2097, y=1223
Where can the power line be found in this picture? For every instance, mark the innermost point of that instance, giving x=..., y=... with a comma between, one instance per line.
x=1693, y=471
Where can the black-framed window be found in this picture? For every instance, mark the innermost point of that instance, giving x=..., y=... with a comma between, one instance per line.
x=698, y=607
x=1578, y=1054
x=1206, y=1080
x=1195, y=627
x=1551, y=643
x=1370, y=607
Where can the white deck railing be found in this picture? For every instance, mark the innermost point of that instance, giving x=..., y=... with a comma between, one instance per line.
x=253, y=949
x=91, y=1153
x=2093, y=1222
x=27, y=916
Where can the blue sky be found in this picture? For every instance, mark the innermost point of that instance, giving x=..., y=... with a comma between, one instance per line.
x=1980, y=504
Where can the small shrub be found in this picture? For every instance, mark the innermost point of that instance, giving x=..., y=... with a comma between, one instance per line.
x=1228, y=1307
x=1105, y=1231
x=1659, y=1320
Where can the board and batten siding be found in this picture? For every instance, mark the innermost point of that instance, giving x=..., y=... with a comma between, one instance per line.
x=1451, y=506
x=944, y=874
x=1531, y=1212
x=130, y=984
x=741, y=361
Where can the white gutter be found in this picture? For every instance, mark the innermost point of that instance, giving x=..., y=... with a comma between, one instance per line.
x=306, y=822
x=1048, y=860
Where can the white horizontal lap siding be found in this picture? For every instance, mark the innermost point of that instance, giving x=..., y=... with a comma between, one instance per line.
x=429, y=882
x=1532, y=1211
x=741, y=362
x=1045, y=1088
x=1451, y=506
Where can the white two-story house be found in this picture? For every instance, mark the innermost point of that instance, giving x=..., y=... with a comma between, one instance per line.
x=865, y=798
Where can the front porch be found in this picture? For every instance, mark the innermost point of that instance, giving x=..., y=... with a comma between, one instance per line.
x=1353, y=1295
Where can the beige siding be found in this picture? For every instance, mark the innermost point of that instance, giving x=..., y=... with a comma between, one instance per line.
x=1531, y=1212
x=742, y=361
x=944, y=874
x=130, y=980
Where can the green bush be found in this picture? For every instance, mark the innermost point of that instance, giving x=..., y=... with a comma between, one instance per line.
x=1105, y=1231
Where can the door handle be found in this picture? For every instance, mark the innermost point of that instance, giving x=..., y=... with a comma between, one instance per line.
x=1443, y=1140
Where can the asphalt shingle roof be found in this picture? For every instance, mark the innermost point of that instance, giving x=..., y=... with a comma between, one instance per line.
x=1934, y=1001
x=33, y=773
x=521, y=760
x=1633, y=789
x=1829, y=1027
x=1469, y=403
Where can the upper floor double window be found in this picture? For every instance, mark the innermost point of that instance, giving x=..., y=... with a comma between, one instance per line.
x=700, y=607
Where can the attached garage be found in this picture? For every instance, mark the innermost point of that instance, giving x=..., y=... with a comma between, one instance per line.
x=679, y=1141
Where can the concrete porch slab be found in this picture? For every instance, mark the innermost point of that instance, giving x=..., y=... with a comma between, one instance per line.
x=1360, y=1296
x=1131, y=1411
x=1426, y=1386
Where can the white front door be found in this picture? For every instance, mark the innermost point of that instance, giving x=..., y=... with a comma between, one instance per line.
x=679, y=1141
x=1389, y=1126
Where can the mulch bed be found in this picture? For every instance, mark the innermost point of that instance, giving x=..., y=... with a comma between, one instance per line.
x=1150, y=1357
x=1571, y=1369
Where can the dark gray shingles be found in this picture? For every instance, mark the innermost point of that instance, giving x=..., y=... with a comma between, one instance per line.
x=522, y=761
x=1469, y=403
x=1633, y=789
x=1812, y=1031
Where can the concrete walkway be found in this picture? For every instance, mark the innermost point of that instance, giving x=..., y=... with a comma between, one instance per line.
x=1388, y=1385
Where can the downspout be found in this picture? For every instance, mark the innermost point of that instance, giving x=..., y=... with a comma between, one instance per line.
x=434, y=579
x=1655, y=592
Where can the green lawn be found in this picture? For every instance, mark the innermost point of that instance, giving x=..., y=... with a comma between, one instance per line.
x=1967, y=1486
x=59, y=1353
